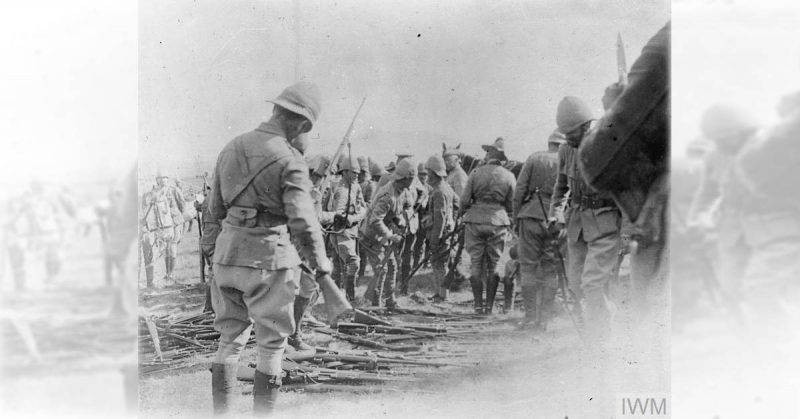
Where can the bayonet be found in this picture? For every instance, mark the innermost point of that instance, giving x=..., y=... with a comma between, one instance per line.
x=622, y=66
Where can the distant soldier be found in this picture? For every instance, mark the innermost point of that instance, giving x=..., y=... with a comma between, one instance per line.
x=456, y=176
x=486, y=205
x=261, y=194
x=382, y=231
x=308, y=290
x=421, y=241
x=592, y=222
x=162, y=221
x=36, y=222
x=364, y=176
x=419, y=196
x=442, y=206
x=369, y=189
x=348, y=206
x=538, y=263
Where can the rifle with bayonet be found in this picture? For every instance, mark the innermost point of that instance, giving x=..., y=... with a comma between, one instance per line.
x=326, y=178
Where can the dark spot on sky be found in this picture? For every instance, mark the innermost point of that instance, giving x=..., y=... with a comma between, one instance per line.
x=419, y=35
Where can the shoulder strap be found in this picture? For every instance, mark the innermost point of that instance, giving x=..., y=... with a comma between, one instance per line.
x=268, y=161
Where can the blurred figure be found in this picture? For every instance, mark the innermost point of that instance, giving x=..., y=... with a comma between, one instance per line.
x=162, y=219
x=627, y=158
x=486, y=207
x=770, y=221
x=37, y=224
x=718, y=204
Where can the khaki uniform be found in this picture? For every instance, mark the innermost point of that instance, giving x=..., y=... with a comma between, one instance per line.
x=442, y=204
x=344, y=243
x=538, y=261
x=418, y=195
x=387, y=215
x=486, y=205
x=255, y=262
x=593, y=238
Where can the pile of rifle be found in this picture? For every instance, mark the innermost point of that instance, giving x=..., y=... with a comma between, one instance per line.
x=368, y=349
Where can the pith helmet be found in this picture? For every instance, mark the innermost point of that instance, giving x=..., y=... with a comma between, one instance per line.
x=375, y=169
x=348, y=163
x=572, y=113
x=556, y=137
x=319, y=164
x=436, y=165
x=720, y=122
x=406, y=168
x=363, y=164
x=390, y=167
x=302, y=98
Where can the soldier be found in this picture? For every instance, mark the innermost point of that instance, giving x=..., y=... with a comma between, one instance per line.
x=364, y=177
x=162, y=221
x=486, y=206
x=382, y=231
x=308, y=290
x=419, y=196
x=537, y=261
x=421, y=240
x=443, y=203
x=347, y=205
x=592, y=221
x=261, y=193
x=456, y=176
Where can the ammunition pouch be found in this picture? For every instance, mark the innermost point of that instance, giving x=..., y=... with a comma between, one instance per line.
x=249, y=217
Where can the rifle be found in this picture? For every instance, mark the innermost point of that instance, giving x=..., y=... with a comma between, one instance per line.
x=452, y=268
x=325, y=182
x=440, y=251
x=562, y=280
x=200, y=237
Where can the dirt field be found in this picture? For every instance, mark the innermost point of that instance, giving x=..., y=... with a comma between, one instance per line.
x=504, y=372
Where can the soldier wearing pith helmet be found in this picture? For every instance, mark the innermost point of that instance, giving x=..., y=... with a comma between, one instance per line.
x=440, y=222
x=261, y=194
x=592, y=221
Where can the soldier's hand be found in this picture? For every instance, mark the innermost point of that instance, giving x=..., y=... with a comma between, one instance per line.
x=562, y=231
x=393, y=239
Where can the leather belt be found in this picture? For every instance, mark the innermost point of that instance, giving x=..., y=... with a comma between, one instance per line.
x=588, y=202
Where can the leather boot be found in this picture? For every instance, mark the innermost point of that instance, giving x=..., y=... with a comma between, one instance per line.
x=295, y=341
x=491, y=292
x=265, y=393
x=148, y=273
x=208, y=308
x=223, y=379
x=508, y=295
x=350, y=287
x=477, y=294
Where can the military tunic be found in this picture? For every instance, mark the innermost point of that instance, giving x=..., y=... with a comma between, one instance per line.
x=387, y=215
x=344, y=242
x=487, y=204
x=593, y=240
x=442, y=204
x=255, y=262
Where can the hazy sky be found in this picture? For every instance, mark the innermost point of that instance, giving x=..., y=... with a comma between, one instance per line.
x=464, y=70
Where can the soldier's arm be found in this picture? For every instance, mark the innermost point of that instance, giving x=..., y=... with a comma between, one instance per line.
x=178, y=195
x=558, y=199
x=466, y=196
x=380, y=209
x=521, y=191
x=299, y=210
